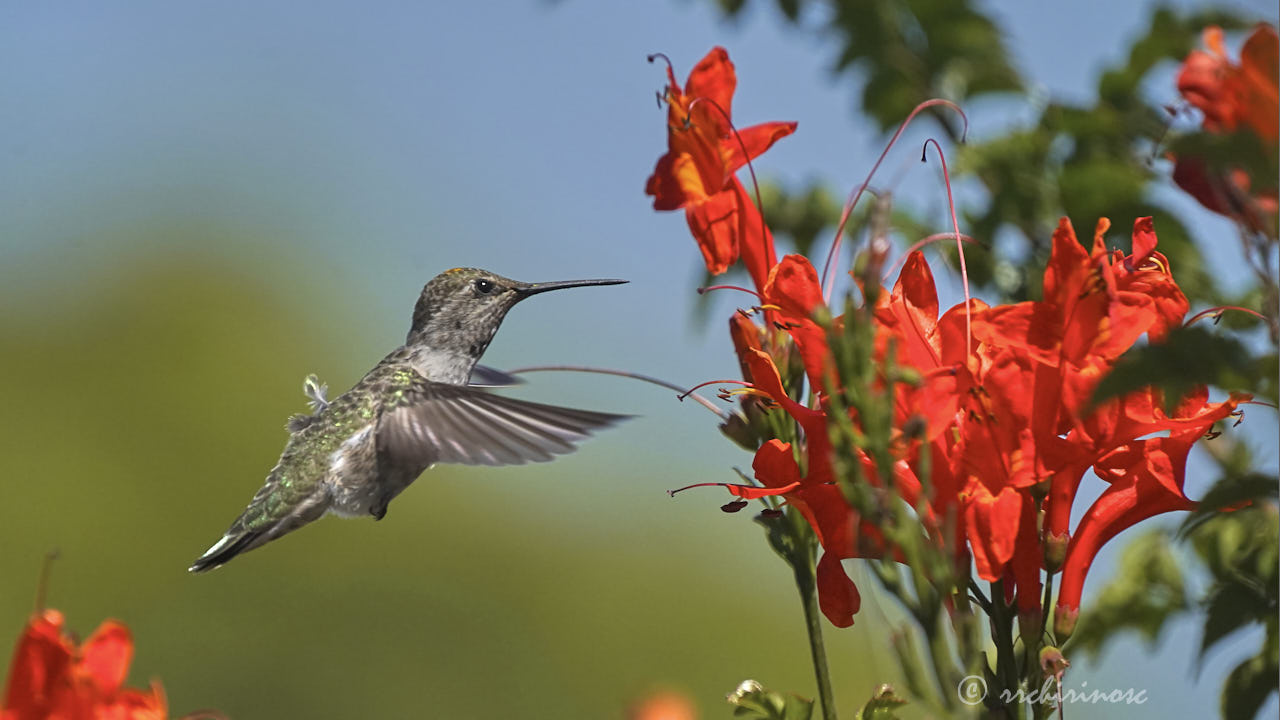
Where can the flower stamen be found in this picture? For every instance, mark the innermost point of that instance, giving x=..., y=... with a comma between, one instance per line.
x=955, y=227
x=709, y=288
x=1217, y=313
x=857, y=192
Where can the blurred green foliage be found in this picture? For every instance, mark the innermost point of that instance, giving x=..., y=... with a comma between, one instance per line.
x=1189, y=357
x=908, y=51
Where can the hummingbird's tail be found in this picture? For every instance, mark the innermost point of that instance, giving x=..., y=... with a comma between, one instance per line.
x=258, y=525
x=231, y=545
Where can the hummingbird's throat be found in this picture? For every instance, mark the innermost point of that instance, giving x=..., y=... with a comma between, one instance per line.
x=444, y=365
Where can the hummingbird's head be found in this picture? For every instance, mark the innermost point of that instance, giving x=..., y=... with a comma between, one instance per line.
x=463, y=307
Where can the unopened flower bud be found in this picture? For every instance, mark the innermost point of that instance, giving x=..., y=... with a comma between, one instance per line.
x=1064, y=622
x=1052, y=662
x=1055, y=551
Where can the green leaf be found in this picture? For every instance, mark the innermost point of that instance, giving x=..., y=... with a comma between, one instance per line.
x=1231, y=491
x=1188, y=357
x=1247, y=687
x=1230, y=607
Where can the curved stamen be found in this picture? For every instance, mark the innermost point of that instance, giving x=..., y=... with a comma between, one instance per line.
x=689, y=392
x=723, y=415
x=42, y=583
x=660, y=56
x=709, y=288
x=955, y=227
x=857, y=193
x=747, y=492
x=1217, y=313
x=919, y=244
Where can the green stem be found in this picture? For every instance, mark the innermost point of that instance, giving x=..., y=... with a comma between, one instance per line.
x=806, y=582
x=1002, y=631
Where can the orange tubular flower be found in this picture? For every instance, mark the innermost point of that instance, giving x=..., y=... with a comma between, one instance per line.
x=1232, y=97
x=52, y=679
x=1146, y=479
x=698, y=171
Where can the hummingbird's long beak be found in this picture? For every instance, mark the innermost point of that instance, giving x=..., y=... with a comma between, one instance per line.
x=527, y=289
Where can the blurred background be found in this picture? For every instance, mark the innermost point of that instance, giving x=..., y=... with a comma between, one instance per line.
x=201, y=203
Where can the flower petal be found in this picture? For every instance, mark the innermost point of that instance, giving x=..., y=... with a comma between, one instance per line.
x=105, y=656
x=992, y=523
x=714, y=79
x=838, y=597
x=41, y=665
x=714, y=224
x=756, y=139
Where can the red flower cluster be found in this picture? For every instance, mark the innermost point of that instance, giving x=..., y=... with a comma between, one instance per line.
x=1233, y=98
x=52, y=679
x=1003, y=399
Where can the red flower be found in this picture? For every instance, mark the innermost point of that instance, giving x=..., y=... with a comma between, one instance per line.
x=793, y=288
x=698, y=171
x=1232, y=97
x=1146, y=479
x=52, y=679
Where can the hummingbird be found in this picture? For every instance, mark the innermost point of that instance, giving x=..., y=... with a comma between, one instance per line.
x=417, y=407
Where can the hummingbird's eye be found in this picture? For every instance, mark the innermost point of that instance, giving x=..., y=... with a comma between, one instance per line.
x=483, y=286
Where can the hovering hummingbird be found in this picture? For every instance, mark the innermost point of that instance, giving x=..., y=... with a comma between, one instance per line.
x=414, y=409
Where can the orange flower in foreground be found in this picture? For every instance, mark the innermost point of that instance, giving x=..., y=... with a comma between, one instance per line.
x=52, y=679
x=698, y=171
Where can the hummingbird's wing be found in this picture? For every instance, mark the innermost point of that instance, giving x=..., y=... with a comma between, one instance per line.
x=435, y=422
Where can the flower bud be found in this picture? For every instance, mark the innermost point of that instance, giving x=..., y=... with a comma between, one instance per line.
x=1055, y=551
